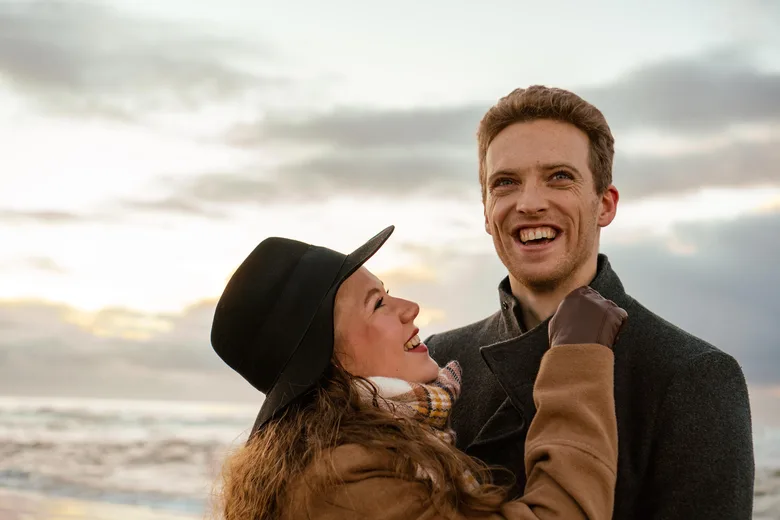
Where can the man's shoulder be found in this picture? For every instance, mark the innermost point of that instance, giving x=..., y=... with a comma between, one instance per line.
x=663, y=344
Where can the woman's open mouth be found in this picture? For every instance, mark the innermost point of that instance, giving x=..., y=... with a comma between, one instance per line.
x=415, y=345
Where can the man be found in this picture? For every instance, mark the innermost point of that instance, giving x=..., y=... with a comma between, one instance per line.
x=545, y=165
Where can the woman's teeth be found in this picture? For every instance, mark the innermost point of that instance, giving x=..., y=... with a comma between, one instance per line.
x=414, y=342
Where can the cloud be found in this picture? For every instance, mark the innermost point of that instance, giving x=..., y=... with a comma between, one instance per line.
x=433, y=150
x=374, y=175
x=452, y=175
x=391, y=175
x=38, y=216
x=210, y=194
x=736, y=164
x=52, y=349
x=700, y=94
x=171, y=205
x=359, y=128
x=45, y=263
x=88, y=58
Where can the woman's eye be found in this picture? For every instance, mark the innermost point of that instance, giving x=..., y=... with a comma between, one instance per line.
x=379, y=303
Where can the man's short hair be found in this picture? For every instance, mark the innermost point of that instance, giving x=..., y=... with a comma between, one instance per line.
x=540, y=102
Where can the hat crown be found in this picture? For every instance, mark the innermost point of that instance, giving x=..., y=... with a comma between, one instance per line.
x=243, y=333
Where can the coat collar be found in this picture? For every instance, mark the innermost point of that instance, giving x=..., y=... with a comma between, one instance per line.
x=515, y=359
x=606, y=282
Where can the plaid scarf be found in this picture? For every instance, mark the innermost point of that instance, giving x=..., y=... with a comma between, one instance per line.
x=430, y=403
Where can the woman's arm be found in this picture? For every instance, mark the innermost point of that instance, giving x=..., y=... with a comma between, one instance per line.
x=571, y=447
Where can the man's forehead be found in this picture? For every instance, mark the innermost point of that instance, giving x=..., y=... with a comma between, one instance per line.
x=517, y=149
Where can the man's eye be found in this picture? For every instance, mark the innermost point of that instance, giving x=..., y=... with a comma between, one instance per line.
x=562, y=175
x=502, y=182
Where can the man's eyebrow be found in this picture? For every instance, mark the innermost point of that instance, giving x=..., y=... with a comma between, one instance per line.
x=559, y=165
x=503, y=171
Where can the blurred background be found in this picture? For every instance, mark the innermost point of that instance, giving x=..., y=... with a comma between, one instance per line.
x=147, y=147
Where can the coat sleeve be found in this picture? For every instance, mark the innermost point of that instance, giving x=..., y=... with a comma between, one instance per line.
x=572, y=444
x=571, y=455
x=703, y=464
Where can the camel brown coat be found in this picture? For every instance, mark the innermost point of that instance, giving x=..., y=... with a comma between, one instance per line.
x=571, y=457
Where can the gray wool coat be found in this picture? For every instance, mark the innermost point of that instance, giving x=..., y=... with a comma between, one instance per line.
x=684, y=425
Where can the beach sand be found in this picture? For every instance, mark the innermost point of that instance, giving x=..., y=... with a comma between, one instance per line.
x=27, y=506
x=17, y=505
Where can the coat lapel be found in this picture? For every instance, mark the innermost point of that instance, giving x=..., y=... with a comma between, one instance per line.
x=515, y=363
x=516, y=358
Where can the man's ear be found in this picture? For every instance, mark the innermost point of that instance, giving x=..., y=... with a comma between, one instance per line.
x=608, y=206
x=487, y=223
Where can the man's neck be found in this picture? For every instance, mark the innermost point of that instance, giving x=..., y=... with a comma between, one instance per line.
x=538, y=305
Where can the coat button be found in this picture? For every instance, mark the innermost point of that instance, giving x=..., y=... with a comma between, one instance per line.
x=504, y=305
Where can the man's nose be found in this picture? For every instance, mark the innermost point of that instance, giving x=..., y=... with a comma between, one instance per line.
x=531, y=200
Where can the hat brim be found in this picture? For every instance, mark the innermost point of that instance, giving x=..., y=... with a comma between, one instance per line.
x=313, y=355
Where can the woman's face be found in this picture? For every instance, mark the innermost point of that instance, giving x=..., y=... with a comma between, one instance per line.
x=375, y=333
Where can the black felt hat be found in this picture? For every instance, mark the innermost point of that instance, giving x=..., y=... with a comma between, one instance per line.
x=274, y=321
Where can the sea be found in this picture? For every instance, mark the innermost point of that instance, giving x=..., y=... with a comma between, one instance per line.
x=79, y=459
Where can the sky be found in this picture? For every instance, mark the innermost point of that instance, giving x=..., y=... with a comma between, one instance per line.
x=147, y=147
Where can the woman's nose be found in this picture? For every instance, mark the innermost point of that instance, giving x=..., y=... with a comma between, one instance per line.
x=409, y=311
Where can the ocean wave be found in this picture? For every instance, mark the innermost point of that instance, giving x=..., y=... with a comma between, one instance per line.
x=170, y=466
x=766, y=504
x=131, y=453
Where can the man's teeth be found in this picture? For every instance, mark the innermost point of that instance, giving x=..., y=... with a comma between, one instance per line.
x=537, y=233
x=414, y=342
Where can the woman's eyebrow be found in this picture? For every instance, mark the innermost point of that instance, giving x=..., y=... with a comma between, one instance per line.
x=370, y=294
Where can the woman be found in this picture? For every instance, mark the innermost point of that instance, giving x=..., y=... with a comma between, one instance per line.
x=354, y=422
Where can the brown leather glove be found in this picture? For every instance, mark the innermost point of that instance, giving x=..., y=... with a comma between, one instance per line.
x=585, y=316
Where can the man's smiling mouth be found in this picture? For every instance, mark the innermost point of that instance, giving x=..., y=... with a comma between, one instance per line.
x=536, y=235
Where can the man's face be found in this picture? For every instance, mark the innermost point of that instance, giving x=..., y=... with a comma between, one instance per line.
x=541, y=206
